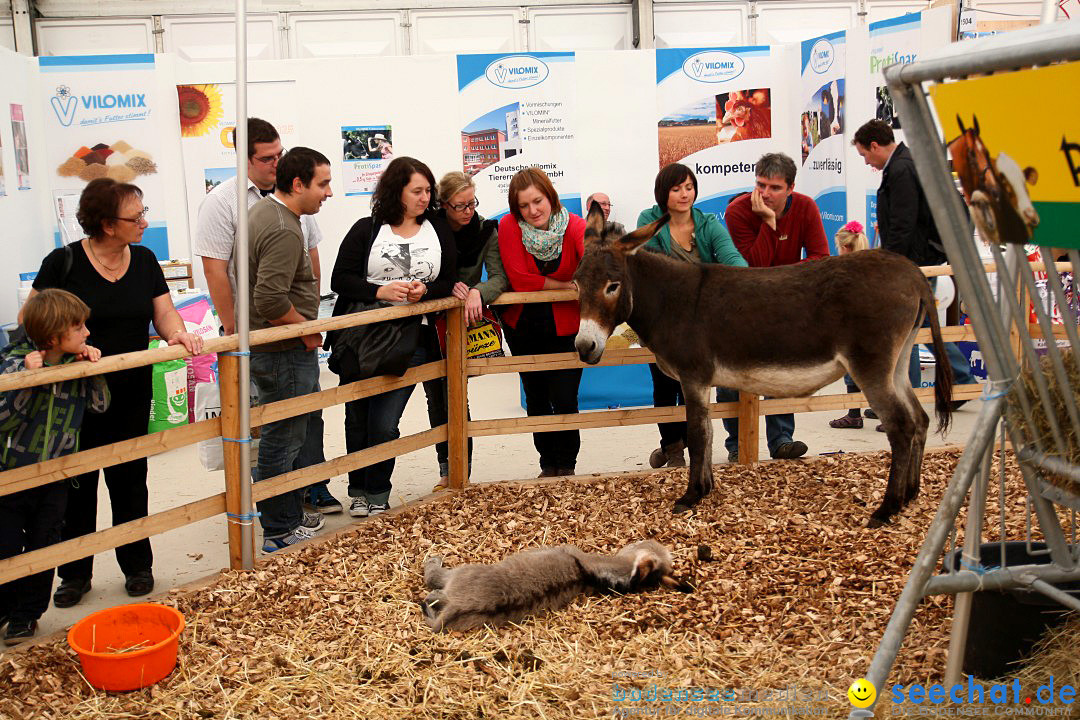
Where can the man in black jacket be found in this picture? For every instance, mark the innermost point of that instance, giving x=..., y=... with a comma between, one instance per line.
x=905, y=224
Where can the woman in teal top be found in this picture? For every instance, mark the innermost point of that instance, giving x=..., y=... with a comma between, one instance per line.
x=690, y=236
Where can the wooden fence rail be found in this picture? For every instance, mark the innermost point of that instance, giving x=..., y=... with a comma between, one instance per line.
x=456, y=368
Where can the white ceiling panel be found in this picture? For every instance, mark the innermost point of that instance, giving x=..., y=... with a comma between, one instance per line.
x=89, y=36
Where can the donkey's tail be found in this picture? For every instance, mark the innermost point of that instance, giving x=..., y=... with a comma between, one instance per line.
x=943, y=375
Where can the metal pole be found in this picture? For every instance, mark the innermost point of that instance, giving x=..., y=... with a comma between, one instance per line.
x=242, y=281
x=23, y=21
x=1049, y=12
x=958, y=635
x=926, y=561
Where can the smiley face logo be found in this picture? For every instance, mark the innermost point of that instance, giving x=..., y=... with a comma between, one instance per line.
x=862, y=693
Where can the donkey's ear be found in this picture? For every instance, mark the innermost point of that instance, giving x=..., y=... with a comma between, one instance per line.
x=594, y=221
x=630, y=244
x=644, y=564
x=960, y=122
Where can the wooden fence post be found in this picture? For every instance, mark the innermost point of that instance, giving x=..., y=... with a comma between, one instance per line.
x=749, y=407
x=235, y=473
x=457, y=429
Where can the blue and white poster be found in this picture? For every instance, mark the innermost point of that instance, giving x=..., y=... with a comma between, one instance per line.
x=366, y=151
x=821, y=128
x=99, y=117
x=892, y=41
x=518, y=111
x=714, y=115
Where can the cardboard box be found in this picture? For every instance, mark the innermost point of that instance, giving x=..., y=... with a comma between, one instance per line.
x=180, y=283
x=175, y=269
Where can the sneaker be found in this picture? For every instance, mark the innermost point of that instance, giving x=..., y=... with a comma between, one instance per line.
x=869, y=412
x=790, y=450
x=358, y=507
x=312, y=522
x=377, y=508
x=319, y=499
x=298, y=535
x=19, y=630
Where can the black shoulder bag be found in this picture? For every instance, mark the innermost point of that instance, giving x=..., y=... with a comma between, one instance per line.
x=365, y=351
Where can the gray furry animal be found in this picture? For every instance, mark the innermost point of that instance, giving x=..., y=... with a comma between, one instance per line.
x=532, y=581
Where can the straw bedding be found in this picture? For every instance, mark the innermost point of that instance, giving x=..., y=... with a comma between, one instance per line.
x=1041, y=415
x=796, y=592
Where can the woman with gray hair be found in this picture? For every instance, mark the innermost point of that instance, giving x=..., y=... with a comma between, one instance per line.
x=477, y=243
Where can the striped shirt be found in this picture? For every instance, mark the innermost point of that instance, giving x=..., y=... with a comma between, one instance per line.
x=215, y=232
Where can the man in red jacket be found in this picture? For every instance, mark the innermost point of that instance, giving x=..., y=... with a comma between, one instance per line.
x=771, y=226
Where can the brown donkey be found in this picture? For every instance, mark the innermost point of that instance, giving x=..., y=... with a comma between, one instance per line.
x=782, y=331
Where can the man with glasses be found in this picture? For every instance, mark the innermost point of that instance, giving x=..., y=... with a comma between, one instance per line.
x=215, y=240
x=605, y=204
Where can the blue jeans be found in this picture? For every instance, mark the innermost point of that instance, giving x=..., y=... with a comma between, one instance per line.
x=374, y=420
x=961, y=370
x=778, y=428
x=279, y=376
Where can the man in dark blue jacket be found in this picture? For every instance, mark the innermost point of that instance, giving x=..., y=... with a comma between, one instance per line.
x=905, y=224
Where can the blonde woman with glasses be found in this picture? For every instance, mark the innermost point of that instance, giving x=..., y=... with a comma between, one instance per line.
x=477, y=242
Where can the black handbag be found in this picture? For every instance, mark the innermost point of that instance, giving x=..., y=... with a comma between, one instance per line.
x=383, y=348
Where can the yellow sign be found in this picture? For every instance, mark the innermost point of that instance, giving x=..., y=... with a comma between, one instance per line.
x=1014, y=141
x=483, y=340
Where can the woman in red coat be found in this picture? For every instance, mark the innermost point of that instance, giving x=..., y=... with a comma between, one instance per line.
x=541, y=244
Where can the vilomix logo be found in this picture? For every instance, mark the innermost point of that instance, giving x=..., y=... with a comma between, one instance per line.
x=822, y=56
x=517, y=71
x=713, y=66
x=64, y=104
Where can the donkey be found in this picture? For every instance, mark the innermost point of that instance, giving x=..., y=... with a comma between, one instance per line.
x=782, y=331
x=532, y=581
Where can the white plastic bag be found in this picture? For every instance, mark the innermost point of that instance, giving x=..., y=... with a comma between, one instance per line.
x=208, y=406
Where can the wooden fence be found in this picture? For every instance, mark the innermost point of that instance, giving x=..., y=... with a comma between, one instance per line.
x=456, y=368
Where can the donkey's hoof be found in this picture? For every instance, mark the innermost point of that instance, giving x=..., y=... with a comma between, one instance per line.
x=681, y=507
x=876, y=522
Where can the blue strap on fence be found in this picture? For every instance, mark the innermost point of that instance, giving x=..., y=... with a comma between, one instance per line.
x=243, y=519
x=1003, y=387
x=237, y=353
x=236, y=440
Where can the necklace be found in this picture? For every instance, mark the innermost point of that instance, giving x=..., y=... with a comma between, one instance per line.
x=101, y=262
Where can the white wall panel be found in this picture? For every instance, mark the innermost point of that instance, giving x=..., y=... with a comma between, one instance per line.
x=785, y=22
x=210, y=38
x=600, y=28
x=1011, y=9
x=465, y=31
x=345, y=34
x=886, y=9
x=7, y=33
x=699, y=25
x=95, y=37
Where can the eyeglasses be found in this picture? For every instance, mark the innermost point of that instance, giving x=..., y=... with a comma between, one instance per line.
x=138, y=218
x=270, y=160
x=604, y=204
x=463, y=206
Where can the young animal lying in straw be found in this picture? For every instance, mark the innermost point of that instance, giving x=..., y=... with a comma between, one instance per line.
x=533, y=581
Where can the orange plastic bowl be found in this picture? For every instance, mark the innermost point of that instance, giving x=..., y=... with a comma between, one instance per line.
x=127, y=647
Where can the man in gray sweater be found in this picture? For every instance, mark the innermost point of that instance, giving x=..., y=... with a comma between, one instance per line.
x=284, y=291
